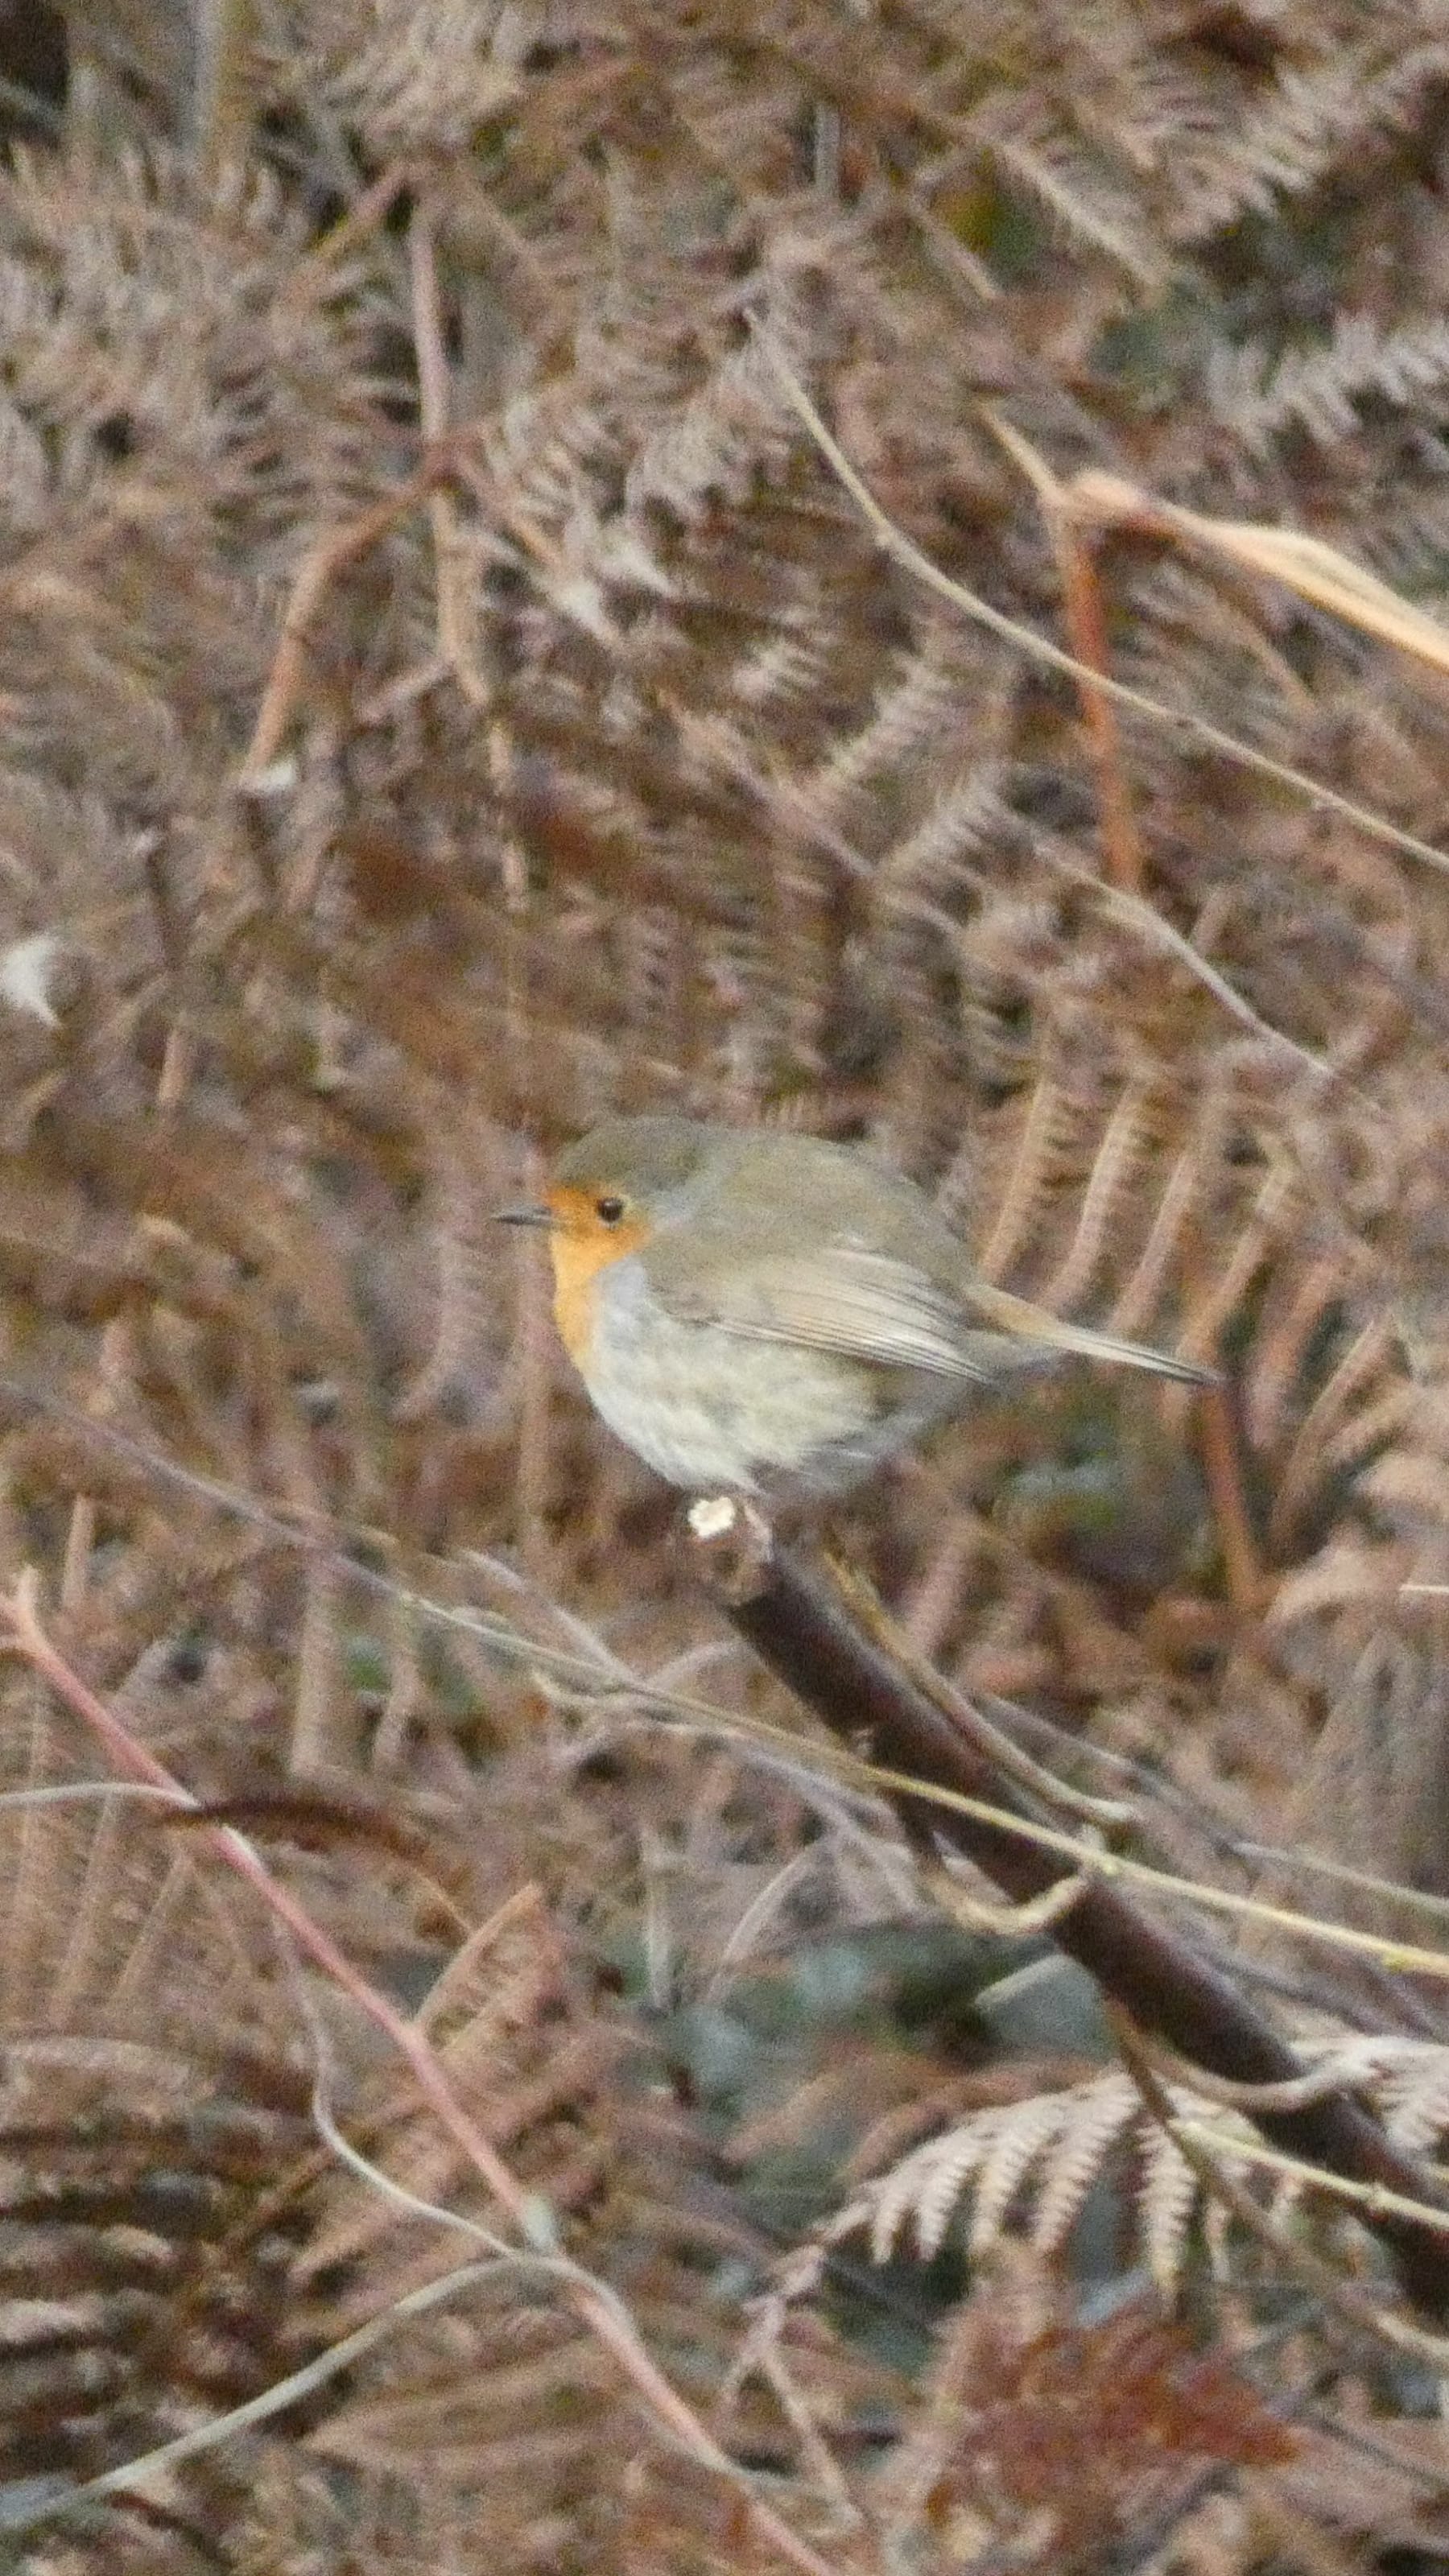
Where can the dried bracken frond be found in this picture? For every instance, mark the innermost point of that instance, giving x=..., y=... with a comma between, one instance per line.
x=448, y=692
x=1028, y=2168
x=1055, y=2439
x=1033, y=2164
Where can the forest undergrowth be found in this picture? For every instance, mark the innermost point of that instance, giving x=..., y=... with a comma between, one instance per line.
x=877, y=565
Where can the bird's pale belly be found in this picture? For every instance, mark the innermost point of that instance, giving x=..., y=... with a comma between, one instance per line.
x=708, y=1408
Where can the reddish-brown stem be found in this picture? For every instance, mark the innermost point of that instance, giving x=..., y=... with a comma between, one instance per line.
x=591, y=2304
x=1086, y=626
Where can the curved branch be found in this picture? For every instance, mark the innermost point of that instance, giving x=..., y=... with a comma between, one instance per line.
x=796, y=1621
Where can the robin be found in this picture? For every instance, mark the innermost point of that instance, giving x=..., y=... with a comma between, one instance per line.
x=766, y=1313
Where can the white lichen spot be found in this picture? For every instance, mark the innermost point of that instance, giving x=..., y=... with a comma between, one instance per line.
x=27, y=975
x=275, y=778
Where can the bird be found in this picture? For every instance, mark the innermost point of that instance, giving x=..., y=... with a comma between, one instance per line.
x=766, y=1313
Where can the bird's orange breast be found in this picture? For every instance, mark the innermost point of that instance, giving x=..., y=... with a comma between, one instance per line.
x=582, y=1247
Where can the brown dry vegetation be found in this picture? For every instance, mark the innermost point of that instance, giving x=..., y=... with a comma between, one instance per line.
x=448, y=689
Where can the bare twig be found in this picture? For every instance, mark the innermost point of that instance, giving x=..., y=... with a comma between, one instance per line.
x=319, y=569
x=1037, y=648
x=456, y=624
x=1342, y=2297
x=596, y=2306
x=24, y=2512
x=586, y=1670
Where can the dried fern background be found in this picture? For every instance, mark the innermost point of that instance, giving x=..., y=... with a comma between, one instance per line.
x=449, y=689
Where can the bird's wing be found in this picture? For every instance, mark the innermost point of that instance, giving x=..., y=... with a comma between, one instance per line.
x=868, y=1306
x=836, y=1298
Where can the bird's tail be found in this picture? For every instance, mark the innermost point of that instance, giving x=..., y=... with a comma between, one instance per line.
x=1038, y=1336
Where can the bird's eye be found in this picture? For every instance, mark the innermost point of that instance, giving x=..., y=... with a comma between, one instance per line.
x=608, y=1211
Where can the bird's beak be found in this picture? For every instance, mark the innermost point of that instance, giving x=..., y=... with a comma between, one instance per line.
x=523, y=1216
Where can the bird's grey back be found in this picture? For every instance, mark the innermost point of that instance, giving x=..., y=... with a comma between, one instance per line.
x=803, y=1192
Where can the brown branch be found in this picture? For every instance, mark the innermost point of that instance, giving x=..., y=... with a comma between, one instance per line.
x=1344, y=2298
x=795, y=1621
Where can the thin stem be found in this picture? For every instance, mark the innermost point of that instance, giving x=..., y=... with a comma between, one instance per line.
x=591, y=2301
